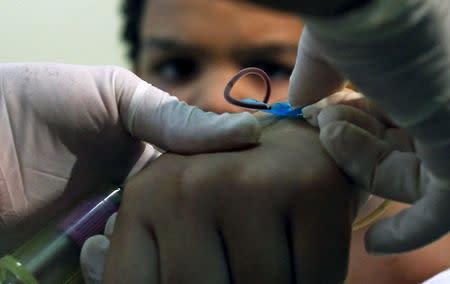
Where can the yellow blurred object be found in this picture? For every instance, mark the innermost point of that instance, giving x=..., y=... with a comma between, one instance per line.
x=372, y=217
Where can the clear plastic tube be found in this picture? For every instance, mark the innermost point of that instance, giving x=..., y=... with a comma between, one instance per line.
x=52, y=255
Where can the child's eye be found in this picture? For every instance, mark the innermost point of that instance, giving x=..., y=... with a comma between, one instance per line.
x=176, y=70
x=275, y=70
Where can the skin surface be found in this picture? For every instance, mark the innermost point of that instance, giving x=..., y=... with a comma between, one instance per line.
x=237, y=206
x=235, y=26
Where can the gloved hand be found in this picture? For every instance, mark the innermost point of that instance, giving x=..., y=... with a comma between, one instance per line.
x=358, y=137
x=441, y=278
x=398, y=54
x=93, y=253
x=69, y=129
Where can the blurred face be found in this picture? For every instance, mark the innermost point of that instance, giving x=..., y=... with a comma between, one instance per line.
x=191, y=48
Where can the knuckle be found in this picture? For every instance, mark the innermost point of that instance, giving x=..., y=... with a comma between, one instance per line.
x=196, y=188
x=336, y=131
x=334, y=113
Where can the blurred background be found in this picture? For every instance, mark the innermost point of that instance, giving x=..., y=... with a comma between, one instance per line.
x=80, y=32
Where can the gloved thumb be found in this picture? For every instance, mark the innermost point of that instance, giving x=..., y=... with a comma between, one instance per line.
x=154, y=116
x=313, y=78
x=426, y=221
x=93, y=253
x=92, y=258
x=367, y=153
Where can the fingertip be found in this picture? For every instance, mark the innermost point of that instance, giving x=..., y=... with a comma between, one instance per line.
x=109, y=227
x=250, y=127
x=334, y=132
x=310, y=114
x=94, y=247
x=236, y=129
x=381, y=240
x=312, y=78
x=371, y=245
x=92, y=258
x=395, y=235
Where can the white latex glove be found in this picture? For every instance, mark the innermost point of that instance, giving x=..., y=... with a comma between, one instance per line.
x=398, y=54
x=66, y=129
x=93, y=253
x=441, y=278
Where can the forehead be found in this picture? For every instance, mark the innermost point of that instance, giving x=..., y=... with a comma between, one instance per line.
x=218, y=23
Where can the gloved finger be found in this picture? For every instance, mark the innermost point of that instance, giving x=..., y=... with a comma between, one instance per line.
x=92, y=258
x=109, y=227
x=350, y=115
x=424, y=222
x=396, y=137
x=312, y=78
x=441, y=278
x=349, y=98
x=93, y=253
x=154, y=116
x=372, y=163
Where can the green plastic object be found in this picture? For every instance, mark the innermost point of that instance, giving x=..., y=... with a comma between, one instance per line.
x=52, y=255
x=13, y=272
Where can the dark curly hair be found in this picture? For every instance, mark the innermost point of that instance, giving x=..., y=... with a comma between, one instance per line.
x=132, y=11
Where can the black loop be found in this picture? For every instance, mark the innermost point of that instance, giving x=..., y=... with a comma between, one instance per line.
x=239, y=75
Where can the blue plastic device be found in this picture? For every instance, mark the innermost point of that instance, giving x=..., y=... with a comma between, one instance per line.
x=282, y=109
